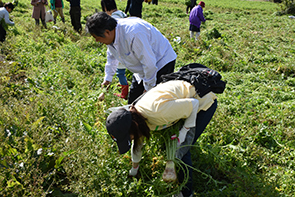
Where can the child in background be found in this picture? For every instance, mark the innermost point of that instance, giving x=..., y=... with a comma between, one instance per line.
x=110, y=7
x=39, y=11
x=57, y=7
x=195, y=19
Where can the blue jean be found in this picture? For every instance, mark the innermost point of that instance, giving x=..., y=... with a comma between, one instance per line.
x=121, y=76
x=203, y=119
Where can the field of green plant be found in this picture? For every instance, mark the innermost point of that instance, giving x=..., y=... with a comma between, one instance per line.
x=53, y=140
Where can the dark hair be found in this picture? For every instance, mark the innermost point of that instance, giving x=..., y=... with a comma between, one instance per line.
x=108, y=5
x=99, y=22
x=9, y=5
x=138, y=127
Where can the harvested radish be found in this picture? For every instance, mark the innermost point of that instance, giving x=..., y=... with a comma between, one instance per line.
x=169, y=174
x=171, y=141
x=101, y=96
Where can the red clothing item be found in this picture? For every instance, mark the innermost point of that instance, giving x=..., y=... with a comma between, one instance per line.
x=58, y=3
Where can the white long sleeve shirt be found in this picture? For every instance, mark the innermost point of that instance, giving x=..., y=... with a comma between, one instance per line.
x=141, y=48
x=169, y=102
x=4, y=14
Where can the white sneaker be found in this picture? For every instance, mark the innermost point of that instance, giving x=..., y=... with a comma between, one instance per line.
x=178, y=195
x=181, y=195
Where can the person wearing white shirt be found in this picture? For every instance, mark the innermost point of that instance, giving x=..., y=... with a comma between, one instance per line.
x=136, y=44
x=4, y=19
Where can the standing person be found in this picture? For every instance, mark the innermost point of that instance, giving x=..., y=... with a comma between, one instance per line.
x=39, y=11
x=110, y=7
x=57, y=6
x=75, y=13
x=191, y=4
x=4, y=19
x=195, y=19
x=159, y=108
x=134, y=7
x=136, y=44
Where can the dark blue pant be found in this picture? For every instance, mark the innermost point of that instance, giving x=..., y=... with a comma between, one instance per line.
x=137, y=89
x=203, y=119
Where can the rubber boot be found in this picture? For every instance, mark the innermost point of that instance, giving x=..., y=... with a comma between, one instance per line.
x=44, y=24
x=124, y=92
x=37, y=22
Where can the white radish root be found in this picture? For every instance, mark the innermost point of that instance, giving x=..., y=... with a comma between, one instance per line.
x=101, y=97
x=169, y=174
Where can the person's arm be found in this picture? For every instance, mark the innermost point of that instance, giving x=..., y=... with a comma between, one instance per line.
x=6, y=19
x=144, y=53
x=190, y=122
x=52, y=3
x=34, y=3
x=110, y=67
x=201, y=15
x=136, y=157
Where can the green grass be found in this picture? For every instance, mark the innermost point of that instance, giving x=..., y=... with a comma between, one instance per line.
x=54, y=142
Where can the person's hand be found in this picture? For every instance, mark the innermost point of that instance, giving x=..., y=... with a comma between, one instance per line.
x=105, y=83
x=133, y=171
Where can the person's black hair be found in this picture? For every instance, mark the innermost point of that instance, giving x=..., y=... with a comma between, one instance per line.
x=138, y=127
x=9, y=5
x=108, y=5
x=99, y=22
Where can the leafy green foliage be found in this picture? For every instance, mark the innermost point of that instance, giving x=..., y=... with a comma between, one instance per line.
x=54, y=142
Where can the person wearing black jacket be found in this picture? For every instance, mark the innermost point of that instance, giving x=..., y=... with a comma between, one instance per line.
x=134, y=7
x=75, y=13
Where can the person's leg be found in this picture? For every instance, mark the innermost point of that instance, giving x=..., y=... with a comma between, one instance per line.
x=191, y=34
x=135, y=90
x=37, y=22
x=75, y=13
x=44, y=23
x=61, y=14
x=168, y=68
x=123, y=82
x=2, y=34
x=55, y=13
x=121, y=76
x=202, y=121
x=197, y=35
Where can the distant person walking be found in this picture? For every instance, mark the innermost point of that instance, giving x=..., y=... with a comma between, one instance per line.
x=134, y=7
x=195, y=19
x=190, y=5
x=4, y=19
x=39, y=11
x=110, y=7
x=57, y=6
x=75, y=13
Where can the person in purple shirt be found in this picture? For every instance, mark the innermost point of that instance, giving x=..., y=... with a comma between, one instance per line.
x=195, y=19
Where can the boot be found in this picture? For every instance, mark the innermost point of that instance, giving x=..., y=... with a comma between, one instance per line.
x=63, y=20
x=124, y=92
x=44, y=24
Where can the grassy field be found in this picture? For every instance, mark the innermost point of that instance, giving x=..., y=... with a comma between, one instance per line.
x=54, y=141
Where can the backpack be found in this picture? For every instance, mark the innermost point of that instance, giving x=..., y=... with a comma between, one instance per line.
x=203, y=78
